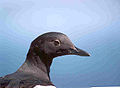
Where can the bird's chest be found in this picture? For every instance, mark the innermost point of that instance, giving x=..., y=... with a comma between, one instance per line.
x=40, y=86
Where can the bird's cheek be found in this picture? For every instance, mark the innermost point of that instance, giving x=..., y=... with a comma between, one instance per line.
x=62, y=52
x=48, y=48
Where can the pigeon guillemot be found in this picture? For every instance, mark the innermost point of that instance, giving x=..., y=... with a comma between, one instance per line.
x=34, y=73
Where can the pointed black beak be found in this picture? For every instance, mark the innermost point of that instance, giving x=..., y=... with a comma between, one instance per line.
x=77, y=51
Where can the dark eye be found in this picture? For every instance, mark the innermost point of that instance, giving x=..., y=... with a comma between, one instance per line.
x=57, y=43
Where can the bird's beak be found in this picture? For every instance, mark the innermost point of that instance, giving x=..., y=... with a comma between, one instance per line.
x=77, y=51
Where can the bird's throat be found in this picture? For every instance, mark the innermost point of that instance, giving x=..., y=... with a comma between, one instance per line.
x=37, y=64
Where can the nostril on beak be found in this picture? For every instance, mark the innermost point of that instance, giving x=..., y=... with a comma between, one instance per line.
x=73, y=48
x=77, y=51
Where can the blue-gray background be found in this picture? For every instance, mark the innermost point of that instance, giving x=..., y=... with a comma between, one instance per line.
x=92, y=25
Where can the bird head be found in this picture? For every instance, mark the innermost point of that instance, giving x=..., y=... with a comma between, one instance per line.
x=54, y=44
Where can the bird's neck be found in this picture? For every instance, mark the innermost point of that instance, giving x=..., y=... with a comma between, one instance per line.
x=37, y=64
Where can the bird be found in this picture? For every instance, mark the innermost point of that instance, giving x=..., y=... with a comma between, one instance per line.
x=34, y=72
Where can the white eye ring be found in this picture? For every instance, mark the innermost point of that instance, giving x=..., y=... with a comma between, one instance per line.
x=57, y=43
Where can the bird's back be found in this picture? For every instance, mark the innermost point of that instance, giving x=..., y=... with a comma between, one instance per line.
x=21, y=80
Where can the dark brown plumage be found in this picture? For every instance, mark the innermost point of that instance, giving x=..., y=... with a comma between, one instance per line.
x=36, y=68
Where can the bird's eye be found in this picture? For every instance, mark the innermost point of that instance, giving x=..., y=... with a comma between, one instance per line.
x=57, y=43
